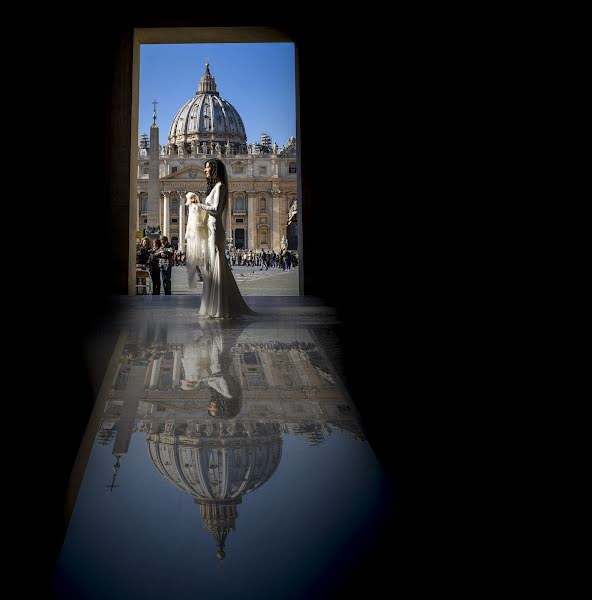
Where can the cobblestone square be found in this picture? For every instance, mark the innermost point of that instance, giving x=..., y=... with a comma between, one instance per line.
x=251, y=282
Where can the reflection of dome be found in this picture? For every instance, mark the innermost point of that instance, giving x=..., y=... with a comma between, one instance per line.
x=207, y=117
x=218, y=466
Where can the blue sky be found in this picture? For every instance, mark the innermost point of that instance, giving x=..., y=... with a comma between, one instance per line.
x=257, y=79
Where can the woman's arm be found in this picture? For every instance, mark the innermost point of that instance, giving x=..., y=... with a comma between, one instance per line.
x=216, y=207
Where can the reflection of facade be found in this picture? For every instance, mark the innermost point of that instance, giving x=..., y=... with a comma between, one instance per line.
x=262, y=176
x=274, y=382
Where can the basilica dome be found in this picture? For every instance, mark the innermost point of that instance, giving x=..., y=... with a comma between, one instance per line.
x=217, y=464
x=223, y=463
x=207, y=118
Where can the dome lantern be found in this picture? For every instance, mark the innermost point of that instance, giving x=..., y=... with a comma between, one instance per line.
x=207, y=83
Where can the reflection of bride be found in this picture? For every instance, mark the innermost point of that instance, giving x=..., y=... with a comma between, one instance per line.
x=206, y=243
x=209, y=362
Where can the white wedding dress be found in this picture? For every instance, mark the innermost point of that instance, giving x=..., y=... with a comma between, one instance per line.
x=207, y=359
x=209, y=364
x=196, y=238
x=206, y=246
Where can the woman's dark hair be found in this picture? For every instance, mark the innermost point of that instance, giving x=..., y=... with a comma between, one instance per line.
x=226, y=408
x=218, y=173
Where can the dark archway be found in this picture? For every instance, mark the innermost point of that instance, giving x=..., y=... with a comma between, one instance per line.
x=239, y=239
x=266, y=201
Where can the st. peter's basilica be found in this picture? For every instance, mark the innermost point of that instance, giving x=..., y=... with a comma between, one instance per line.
x=262, y=176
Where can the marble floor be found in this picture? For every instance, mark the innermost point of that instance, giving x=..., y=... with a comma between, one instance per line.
x=222, y=459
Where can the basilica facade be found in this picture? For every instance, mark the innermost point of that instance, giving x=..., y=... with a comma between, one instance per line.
x=262, y=176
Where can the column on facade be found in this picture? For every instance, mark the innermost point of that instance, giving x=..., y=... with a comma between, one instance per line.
x=116, y=376
x=166, y=215
x=160, y=212
x=228, y=224
x=252, y=221
x=176, y=369
x=155, y=372
x=267, y=366
x=276, y=230
x=148, y=376
x=181, y=221
x=304, y=370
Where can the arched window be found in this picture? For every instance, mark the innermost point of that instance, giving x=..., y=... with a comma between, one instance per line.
x=262, y=205
x=175, y=206
x=144, y=203
x=239, y=203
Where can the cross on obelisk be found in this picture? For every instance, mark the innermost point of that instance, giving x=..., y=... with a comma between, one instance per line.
x=154, y=103
x=115, y=469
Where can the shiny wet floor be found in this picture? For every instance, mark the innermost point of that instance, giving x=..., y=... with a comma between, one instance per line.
x=223, y=459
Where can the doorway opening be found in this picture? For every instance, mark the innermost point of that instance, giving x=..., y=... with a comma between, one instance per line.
x=239, y=239
x=197, y=95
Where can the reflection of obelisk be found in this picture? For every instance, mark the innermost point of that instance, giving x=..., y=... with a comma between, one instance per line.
x=112, y=485
x=134, y=391
x=131, y=400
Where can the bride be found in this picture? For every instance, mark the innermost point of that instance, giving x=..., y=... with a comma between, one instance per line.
x=206, y=239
